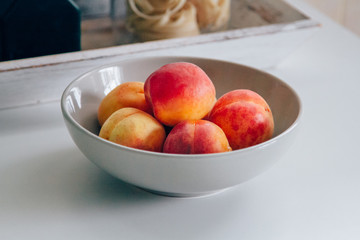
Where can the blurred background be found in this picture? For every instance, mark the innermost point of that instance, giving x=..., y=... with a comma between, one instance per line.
x=30, y=28
x=345, y=12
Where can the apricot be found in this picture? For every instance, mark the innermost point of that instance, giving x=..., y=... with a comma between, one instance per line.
x=128, y=94
x=135, y=128
x=195, y=137
x=244, y=116
x=179, y=91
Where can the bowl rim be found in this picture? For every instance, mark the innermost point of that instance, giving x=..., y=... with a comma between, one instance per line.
x=271, y=141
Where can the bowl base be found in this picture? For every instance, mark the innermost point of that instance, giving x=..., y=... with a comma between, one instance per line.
x=185, y=195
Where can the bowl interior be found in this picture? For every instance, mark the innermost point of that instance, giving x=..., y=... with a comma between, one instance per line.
x=83, y=96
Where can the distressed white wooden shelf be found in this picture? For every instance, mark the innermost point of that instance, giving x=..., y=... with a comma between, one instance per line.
x=261, y=33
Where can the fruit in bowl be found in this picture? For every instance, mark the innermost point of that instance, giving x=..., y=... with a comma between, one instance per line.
x=196, y=137
x=179, y=95
x=179, y=91
x=172, y=174
x=244, y=116
x=134, y=128
x=128, y=94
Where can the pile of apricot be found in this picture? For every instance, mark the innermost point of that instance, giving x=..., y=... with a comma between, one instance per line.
x=176, y=111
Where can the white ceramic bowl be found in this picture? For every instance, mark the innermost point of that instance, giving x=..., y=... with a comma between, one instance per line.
x=176, y=174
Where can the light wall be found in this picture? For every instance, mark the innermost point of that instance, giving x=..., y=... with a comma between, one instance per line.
x=345, y=12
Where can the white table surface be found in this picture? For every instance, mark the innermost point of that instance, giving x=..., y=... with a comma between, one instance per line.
x=49, y=190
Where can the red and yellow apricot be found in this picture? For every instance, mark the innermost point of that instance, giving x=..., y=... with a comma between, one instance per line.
x=128, y=94
x=195, y=137
x=179, y=91
x=135, y=128
x=244, y=116
x=176, y=111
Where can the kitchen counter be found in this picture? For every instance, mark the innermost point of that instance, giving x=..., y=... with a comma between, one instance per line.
x=49, y=190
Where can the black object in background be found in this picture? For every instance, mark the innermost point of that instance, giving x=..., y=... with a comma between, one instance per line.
x=30, y=28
